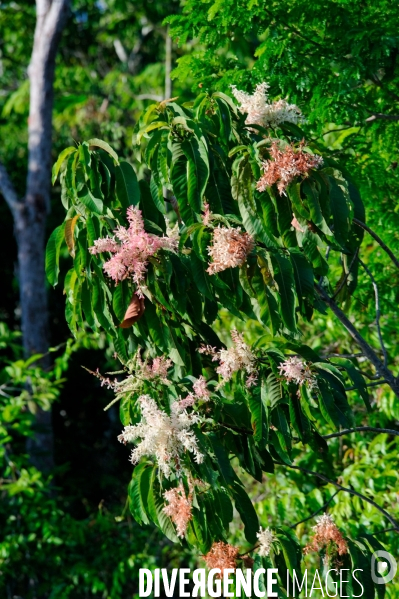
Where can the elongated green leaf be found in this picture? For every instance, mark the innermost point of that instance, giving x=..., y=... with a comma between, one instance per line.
x=56, y=168
x=99, y=143
x=53, y=254
x=127, y=187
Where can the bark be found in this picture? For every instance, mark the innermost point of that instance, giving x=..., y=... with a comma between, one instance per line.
x=30, y=212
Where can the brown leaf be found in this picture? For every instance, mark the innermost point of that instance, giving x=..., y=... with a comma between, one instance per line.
x=133, y=313
x=69, y=234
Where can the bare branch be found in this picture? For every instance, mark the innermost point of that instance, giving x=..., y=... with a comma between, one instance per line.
x=377, y=311
x=347, y=490
x=376, y=384
x=355, y=255
x=8, y=191
x=368, y=351
x=323, y=507
x=359, y=429
x=378, y=240
x=384, y=117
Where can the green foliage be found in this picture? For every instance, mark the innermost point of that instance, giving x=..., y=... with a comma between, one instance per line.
x=193, y=150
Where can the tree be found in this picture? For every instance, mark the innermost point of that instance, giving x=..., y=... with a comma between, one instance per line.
x=263, y=228
x=30, y=212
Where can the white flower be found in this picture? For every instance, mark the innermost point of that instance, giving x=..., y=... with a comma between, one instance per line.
x=266, y=538
x=230, y=248
x=260, y=112
x=296, y=370
x=238, y=357
x=163, y=436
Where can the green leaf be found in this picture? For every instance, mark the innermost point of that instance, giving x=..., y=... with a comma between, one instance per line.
x=284, y=277
x=138, y=492
x=99, y=143
x=127, y=187
x=92, y=203
x=56, y=168
x=197, y=171
x=53, y=254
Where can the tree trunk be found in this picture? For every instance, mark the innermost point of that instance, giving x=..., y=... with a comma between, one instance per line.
x=30, y=213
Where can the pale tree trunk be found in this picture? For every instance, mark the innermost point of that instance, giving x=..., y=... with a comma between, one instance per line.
x=30, y=212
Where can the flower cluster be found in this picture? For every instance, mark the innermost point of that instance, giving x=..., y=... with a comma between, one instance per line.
x=237, y=357
x=296, y=370
x=163, y=436
x=326, y=531
x=223, y=556
x=230, y=248
x=179, y=508
x=200, y=392
x=260, y=112
x=285, y=165
x=131, y=248
x=266, y=538
x=158, y=369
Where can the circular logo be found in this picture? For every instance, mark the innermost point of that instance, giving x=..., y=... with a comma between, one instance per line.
x=379, y=567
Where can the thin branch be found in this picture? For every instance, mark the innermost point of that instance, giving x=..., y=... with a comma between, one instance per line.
x=384, y=117
x=380, y=532
x=381, y=369
x=355, y=255
x=347, y=490
x=7, y=189
x=377, y=310
x=378, y=240
x=375, y=384
x=378, y=82
x=359, y=429
x=323, y=507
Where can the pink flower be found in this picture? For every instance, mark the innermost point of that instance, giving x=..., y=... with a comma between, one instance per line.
x=296, y=224
x=229, y=248
x=296, y=370
x=179, y=508
x=285, y=165
x=131, y=248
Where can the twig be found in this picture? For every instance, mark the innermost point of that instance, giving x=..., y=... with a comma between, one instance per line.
x=384, y=117
x=375, y=384
x=359, y=429
x=323, y=507
x=380, y=532
x=378, y=240
x=355, y=255
x=362, y=343
x=350, y=491
x=377, y=310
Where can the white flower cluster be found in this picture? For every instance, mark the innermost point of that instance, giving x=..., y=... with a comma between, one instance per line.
x=230, y=248
x=260, y=112
x=296, y=370
x=237, y=357
x=163, y=436
x=266, y=538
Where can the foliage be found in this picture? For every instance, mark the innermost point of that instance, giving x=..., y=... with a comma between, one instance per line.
x=209, y=160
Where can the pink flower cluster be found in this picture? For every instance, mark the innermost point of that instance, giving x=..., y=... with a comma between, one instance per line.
x=179, y=508
x=285, y=165
x=229, y=248
x=158, y=369
x=238, y=357
x=131, y=248
x=296, y=370
x=200, y=392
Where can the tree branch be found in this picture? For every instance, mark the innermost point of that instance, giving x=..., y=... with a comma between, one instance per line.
x=355, y=255
x=7, y=189
x=359, y=429
x=384, y=117
x=375, y=384
x=377, y=311
x=378, y=240
x=381, y=369
x=347, y=490
x=323, y=507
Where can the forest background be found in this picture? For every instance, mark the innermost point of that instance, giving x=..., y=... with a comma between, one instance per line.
x=65, y=524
